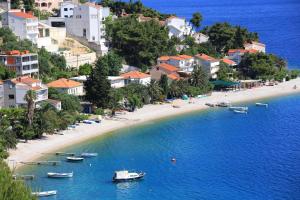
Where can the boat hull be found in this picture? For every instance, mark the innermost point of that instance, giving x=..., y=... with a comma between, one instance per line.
x=117, y=180
x=70, y=159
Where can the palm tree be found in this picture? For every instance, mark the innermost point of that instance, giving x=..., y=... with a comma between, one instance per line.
x=30, y=98
x=154, y=90
x=115, y=97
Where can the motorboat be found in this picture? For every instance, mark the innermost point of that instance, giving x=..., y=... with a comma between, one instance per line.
x=240, y=111
x=60, y=175
x=262, y=104
x=44, y=194
x=74, y=159
x=241, y=108
x=125, y=175
x=87, y=155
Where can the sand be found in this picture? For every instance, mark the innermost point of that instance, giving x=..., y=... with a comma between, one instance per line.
x=35, y=149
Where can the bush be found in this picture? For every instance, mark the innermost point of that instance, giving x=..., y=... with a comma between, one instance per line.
x=99, y=111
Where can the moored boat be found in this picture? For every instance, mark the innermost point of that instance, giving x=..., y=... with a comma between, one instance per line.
x=60, y=175
x=240, y=108
x=44, y=194
x=262, y=104
x=240, y=111
x=125, y=175
x=74, y=159
x=87, y=155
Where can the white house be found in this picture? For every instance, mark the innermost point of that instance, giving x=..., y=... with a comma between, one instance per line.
x=210, y=64
x=260, y=47
x=23, y=25
x=178, y=27
x=67, y=86
x=116, y=81
x=88, y=23
x=16, y=89
x=45, y=40
x=164, y=69
x=200, y=38
x=228, y=62
x=237, y=54
x=185, y=63
x=136, y=77
x=47, y=5
x=67, y=9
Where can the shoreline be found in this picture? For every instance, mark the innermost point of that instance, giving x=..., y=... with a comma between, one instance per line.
x=35, y=149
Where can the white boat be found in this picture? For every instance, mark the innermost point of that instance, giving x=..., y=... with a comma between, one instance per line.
x=240, y=108
x=262, y=104
x=44, y=194
x=74, y=159
x=88, y=122
x=60, y=175
x=87, y=155
x=125, y=175
x=240, y=111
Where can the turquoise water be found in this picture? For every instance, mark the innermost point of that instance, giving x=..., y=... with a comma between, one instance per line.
x=276, y=21
x=220, y=155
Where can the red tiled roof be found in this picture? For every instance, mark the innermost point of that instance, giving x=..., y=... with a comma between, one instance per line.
x=186, y=56
x=23, y=15
x=168, y=67
x=1, y=82
x=25, y=79
x=228, y=61
x=135, y=75
x=242, y=51
x=164, y=58
x=36, y=88
x=181, y=57
x=206, y=57
x=93, y=5
x=174, y=76
x=256, y=43
x=64, y=83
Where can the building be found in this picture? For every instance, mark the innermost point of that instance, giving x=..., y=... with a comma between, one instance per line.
x=200, y=38
x=23, y=25
x=67, y=9
x=210, y=64
x=164, y=69
x=237, y=54
x=1, y=94
x=67, y=86
x=116, y=81
x=228, y=62
x=23, y=63
x=178, y=27
x=45, y=40
x=136, y=77
x=88, y=23
x=55, y=103
x=47, y=5
x=260, y=47
x=185, y=63
x=16, y=89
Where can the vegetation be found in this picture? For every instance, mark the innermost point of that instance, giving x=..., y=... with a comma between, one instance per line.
x=196, y=19
x=226, y=72
x=85, y=69
x=5, y=73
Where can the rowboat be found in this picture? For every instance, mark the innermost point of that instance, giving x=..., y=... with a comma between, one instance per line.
x=124, y=175
x=240, y=108
x=262, y=104
x=87, y=155
x=74, y=159
x=240, y=111
x=60, y=175
x=44, y=194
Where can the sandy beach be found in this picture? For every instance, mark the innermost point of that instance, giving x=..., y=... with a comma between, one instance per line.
x=35, y=149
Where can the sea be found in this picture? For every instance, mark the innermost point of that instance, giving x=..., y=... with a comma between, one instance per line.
x=219, y=155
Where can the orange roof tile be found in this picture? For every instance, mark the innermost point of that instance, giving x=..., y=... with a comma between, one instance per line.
x=168, y=67
x=135, y=75
x=36, y=88
x=64, y=83
x=1, y=82
x=206, y=57
x=93, y=5
x=228, y=61
x=23, y=15
x=164, y=58
x=174, y=76
x=242, y=51
x=25, y=79
x=186, y=56
x=181, y=57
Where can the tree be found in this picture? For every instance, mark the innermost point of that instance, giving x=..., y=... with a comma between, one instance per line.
x=199, y=77
x=155, y=91
x=69, y=103
x=85, y=69
x=164, y=83
x=97, y=86
x=225, y=72
x=6, y=73
x=115, y=96
x=30, y=98
x=113, y=63
x=196, y=19
x=134, y=102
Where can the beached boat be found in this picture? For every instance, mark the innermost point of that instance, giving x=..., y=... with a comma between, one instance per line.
x=125, y=175
x=240, y=108
x=74, y=159
x=240, y=111
x=87, y=155
x=262, y=104
x=60, y=175
x=223, y=104
x=44, y=194
x=210, y=104
x=88, y=122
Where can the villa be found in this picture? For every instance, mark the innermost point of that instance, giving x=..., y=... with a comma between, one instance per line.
x=47, y=5
x=67, y=86
x=260, y=47
x=136, y=77
x=23, y=63
x=237, y=54
x=116, y=81
x=184, y=62
x=178, y=27
x=210, y=64
x=67, y=9
x=200, y=38
x=14, y=91
x=164, y=69
x=228, y=62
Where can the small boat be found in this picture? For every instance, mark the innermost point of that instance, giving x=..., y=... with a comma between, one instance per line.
x=223, y=104
x=262, y=104
x=44, y=194
x=125, y=175
x=60, y=175
x=240, y=111
x=210, y=104
x=241, y=108
x=88, y=122
x=23, y=177
x=74, y=159
x=87, y=155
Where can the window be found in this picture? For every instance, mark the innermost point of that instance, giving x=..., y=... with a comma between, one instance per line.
x=84, y=32
x=93, y=38
x=44, y=4
x=66, y=16
x=71, y=8
x=11, y=96
x=47, y=33
x=65, y=9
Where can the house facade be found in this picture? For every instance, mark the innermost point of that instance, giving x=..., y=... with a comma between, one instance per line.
x=164, y=69
x=210, y=64
x=185, y=63
x=200, y=38
x=16, y=89
x=237, y=54
x=67, y=86
x=178, y=27
x=116, y=81
x=88, y=23
x=47, y=5
x=1, y=94
x=45, y=40
x=136, y=77
x=67, y=9
x=23, y=63
x=260, y=47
